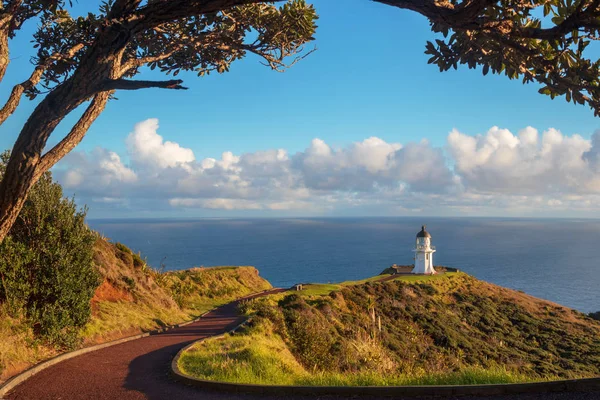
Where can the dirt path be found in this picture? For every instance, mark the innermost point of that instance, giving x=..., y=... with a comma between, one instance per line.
x=140, y=370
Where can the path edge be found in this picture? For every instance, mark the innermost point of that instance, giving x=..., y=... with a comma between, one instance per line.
x=570, y=385
x=16, y=380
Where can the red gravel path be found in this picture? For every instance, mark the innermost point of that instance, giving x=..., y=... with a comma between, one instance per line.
x=140, y=370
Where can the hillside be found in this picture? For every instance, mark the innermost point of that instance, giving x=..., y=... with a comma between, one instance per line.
x=131, y=298
x=446, y=329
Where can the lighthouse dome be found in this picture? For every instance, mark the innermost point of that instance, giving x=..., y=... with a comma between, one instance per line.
x=423, y=233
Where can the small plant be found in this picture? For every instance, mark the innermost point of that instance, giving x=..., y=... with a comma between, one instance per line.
x=159, y=275
x=130, y=282
x=123, y=248
x=139, y=262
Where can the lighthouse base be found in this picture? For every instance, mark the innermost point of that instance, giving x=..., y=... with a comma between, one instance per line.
x=423, y=264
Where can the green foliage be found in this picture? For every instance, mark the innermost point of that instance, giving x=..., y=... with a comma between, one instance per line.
x=204, y=43
x=256, y=356
x=128, y=256
x=445, y=329
x=27, y=9
x=130, y=282
x=311, y=338
x=139, y=262
x=193, y=288
x=123, y=248
x=259, y=355
x=46, y=264
x=595, y=315
x=541, y=41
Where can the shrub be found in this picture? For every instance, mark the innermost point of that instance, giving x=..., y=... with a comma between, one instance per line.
x=123, y=248
x=130, y=282
x=310, y=334
x=595, y=315
x=46, y=269
x=138, y=261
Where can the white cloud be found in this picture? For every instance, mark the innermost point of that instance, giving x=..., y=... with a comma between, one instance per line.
x=218, y=203
x=422, y=166
x=498, y=172
x=99, y=172
x=372, y=163
x=500, y=162
x=148, y=148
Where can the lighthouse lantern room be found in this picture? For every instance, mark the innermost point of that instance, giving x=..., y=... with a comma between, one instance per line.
x=423, y=254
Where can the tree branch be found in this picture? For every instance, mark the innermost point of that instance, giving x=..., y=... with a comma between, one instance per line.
x=159, y=12
x=74, y=137
x=277, y=62
x=12, y=18
x=122, y=7
x=138, y=62
x=124, y=84
x=4, y=53
x=468, y=16
x=17, y=92
x=15, y=95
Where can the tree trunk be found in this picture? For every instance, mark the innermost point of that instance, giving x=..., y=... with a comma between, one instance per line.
x=21, y=168
x=4, y=56
x=101, y=64
x=96, y=67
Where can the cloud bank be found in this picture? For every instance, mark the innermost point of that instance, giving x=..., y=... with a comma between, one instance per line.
x=496, y=173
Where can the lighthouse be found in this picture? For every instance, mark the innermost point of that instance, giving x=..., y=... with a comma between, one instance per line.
x=423, y=254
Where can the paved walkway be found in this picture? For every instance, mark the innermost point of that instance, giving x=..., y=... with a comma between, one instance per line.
x=140, y=370
x=133, y=370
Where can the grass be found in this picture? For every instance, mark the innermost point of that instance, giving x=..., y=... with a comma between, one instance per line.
x=323, y=289
x=425, y=278
x=470, y=376
x=116, y=319
x=182, y=296
x=196, y=289
x=361, y=281
x=260, y=356
x=18, y=348
x=411, y=330
x=132, y=298
x=135, y=298
x=319, y=289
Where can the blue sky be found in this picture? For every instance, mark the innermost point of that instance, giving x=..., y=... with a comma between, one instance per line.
x=369, y=77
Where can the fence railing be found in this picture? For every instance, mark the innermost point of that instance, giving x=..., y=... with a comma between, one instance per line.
x=424, y=247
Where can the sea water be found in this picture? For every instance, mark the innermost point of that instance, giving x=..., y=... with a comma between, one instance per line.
x=555, y=259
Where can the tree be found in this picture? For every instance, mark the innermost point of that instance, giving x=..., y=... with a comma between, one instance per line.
x=541, y=41
x=46, y=268
x=89, y=58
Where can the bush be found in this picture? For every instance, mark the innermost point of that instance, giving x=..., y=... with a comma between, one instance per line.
x=595, y=315
x=46, y=269
x=139, y=262
x=123, y=248
x=127, y=258
x=130, y=282
x=311, y=337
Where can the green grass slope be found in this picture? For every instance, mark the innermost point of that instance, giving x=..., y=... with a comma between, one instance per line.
x=131, y=299
x=450, y=329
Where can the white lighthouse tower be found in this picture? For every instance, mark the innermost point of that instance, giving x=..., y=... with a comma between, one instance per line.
x=423, y=254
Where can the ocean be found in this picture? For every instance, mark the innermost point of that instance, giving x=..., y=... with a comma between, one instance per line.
x=554, y=259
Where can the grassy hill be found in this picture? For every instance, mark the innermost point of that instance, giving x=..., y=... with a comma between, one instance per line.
x=447, y=329
x=131, y=298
